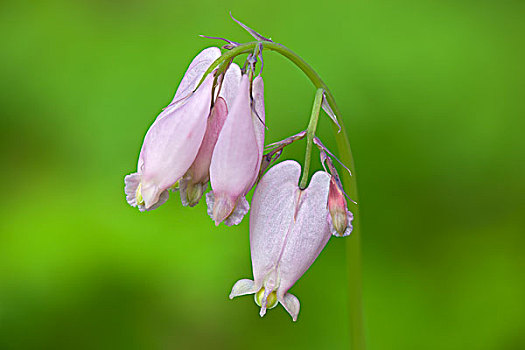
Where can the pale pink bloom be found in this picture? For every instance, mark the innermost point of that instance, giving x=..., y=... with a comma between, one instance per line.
x=195, y=181
x=237, y=155
x=173, y=140
x=341, y=217
x=289, y=227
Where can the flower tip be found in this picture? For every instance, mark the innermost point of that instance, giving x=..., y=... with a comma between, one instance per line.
x=191, y=193
x=222, y=208
x=132, y=189
x=291, y=305
x=149, y=194
x=340, y=222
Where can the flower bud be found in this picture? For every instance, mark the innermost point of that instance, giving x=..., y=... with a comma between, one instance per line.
x=341, y=217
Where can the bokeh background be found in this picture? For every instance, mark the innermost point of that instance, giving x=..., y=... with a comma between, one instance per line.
x=432, y=94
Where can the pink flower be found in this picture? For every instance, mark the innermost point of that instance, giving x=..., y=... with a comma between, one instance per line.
x=173, y=140
x=237, y=155
x=289, y=227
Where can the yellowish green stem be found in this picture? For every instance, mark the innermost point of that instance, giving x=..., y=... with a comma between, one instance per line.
x=310, y=133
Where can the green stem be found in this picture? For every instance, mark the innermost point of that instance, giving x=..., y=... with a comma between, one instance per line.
x=353, y=250
x=310, y=133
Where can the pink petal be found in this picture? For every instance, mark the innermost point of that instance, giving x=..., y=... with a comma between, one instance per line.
x=310, y=233
x=194, y=73
x=272, y=216
x=200, y=169
x=230, y=85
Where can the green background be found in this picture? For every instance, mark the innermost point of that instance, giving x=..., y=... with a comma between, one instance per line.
x=432, y=94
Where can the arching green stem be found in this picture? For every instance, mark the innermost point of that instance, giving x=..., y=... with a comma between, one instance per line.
x=310, y=133
x=353, y=251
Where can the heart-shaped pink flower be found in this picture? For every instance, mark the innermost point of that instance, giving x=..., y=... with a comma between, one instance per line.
x=289, y=227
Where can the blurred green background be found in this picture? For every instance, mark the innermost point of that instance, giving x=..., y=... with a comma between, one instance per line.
x=432, y=94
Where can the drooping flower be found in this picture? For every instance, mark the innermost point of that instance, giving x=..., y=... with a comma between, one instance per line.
x=195, y=181
x=173, y=140
x=237, y=155
x=289, y=227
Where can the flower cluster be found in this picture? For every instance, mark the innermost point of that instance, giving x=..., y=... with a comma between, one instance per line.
x=213, y=132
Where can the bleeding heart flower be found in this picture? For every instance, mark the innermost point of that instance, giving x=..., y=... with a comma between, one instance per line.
x=237, y=155
x=173, y=140
x=289, y=227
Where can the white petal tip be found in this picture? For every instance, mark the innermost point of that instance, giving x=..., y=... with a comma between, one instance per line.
x=291, y=305
x=131, y=182
x=218, y=207
x=223, y=209
x=240, y=210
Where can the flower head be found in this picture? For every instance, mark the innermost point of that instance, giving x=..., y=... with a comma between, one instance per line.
x=237, y=154
x=175, y=137
x=288, y=229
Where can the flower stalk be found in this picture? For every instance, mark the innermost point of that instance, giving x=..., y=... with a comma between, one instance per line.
x=353, y=249
x=310, y=133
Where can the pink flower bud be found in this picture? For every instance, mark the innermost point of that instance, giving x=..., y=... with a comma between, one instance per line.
x=237, y=155
x=288, y=229
x=173, y=140
x=341, y=218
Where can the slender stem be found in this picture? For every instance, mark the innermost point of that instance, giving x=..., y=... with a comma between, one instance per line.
x=310, y=133
x=353, y=250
